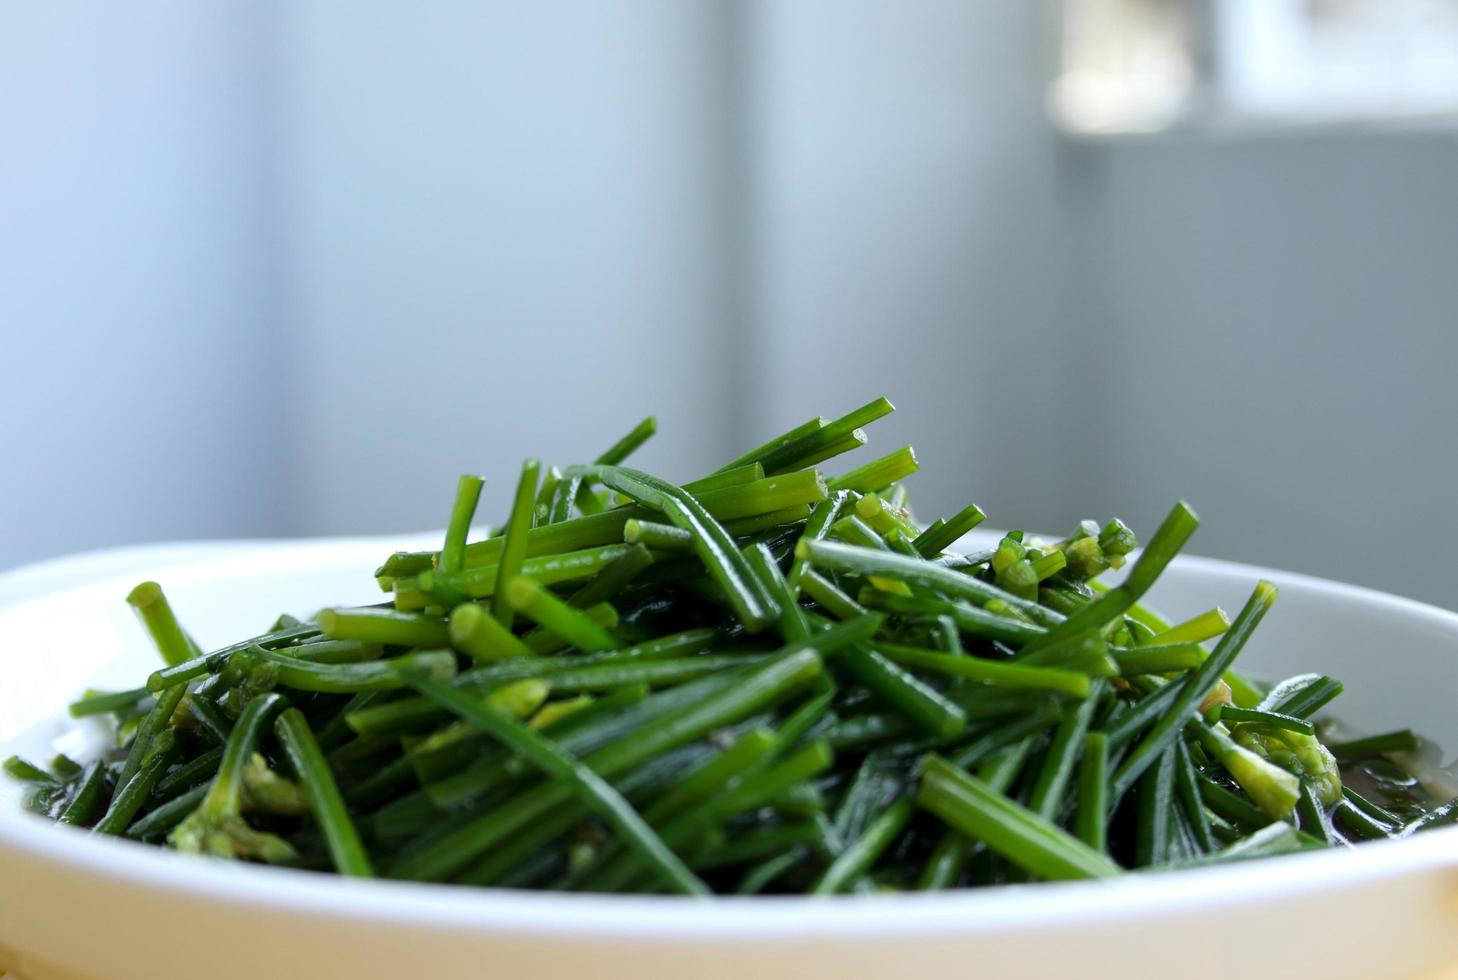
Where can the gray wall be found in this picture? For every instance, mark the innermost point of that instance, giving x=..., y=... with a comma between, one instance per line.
x=288, y=268
x=907, y=241
x=1276, y=327
x=505, y=234
x=134, y=300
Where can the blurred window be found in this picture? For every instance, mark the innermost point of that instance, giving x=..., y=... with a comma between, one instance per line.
x=1147, y=65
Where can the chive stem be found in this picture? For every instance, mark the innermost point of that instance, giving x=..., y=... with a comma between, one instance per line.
x=1200, y=682
x=1019, y=835
x=315, y=779
x=514, y=543
x=453, y=552
x=155, y=613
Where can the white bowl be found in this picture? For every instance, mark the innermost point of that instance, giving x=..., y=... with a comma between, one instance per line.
x=75, y=906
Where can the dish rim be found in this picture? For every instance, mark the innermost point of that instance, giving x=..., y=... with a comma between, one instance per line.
x=568, y=916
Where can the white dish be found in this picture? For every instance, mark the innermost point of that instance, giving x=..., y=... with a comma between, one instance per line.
x=72, y=906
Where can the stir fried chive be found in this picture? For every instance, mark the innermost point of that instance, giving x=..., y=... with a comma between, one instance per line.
x=846, y=444
x=1358, y=823
x=1158, y=659
x=934, y=578
x=942, y=534
x=1091, y=819
x=758, y=786
x=660, y=537
x=691, y=790
x=1361, y=748
x=721, y=557
x=732, y=685
x=99, y=703
x=1231, y=805
x=217, y=825
x=1047, y=795
x=453, y=552
x=949, y=858
x=794, y=453
x=132, y=794
x=1007, y=730
x=476, y=633
x=574, y=627
x=1231, y=714
x=1187, y=790
x=90, y=798
x=1047, y=565
x=513, y=544
x=1036, y=845
x=884, y=518
x=864, y=851
x=1272, y=787
x=1155, y=821
x=773, y=841
x=27, y=772
x=990, y=672
x=629, y=443
x=852, y=530
x=817, y=526
x=1140, y=714
x=328, y=807
x=1166, y=543
x=791, y=624
x=1305, y=699
x=546, y=499
x=769, y=495
x=379, y=675
x=758, y=454
x=210, y=715
x=1312, y=815
x=879, y=473
x=383, y=626
x=738, y=476
x=766, y=685
x=1195, y=689
x=191, y=670
x=968, y=618
x=713, y=774
x=483, y=581
x=153, y=724
x=201, y=767
x=1205, y=626
x=829, y=597
x=586, y=784
x=1370, y=808
x=576, y=534
x=155, y=613
x=916, y=700
x=410, y=714
x=1441, y=816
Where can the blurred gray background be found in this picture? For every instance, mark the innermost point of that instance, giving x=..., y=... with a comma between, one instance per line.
x=281, y=269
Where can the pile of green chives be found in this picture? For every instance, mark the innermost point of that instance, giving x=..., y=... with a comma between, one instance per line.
x=767, y=679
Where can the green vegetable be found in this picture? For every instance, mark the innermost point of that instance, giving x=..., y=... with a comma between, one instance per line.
x=761, y=680
x=513, y=543
x=1091, y=819
x=152, y=608
x=325, y=803
x=384, y=626
x=1361, y=748
x=453, y=553
x=594, y=792
x=217, y=826
x=1199, y=684
x=1024, y=838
